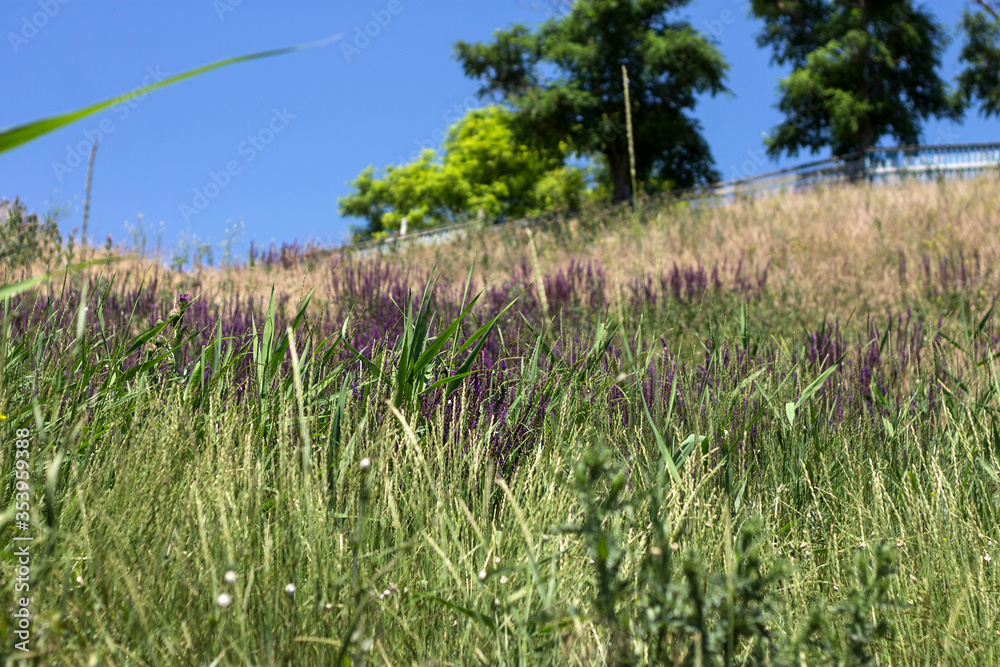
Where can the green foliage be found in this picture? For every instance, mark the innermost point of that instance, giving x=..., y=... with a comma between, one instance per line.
x=668, y=609
x=422, y=192
x=562, y=189
x=863, y=612
x=23, y=239
x=609, y=544
x=503, y=175
x=419, y=353
x=483, y=168
x=980, y=80
x=564, y=83
x=860, y=72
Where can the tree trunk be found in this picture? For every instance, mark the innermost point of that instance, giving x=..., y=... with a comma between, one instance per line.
x=867, y=140
x=621, y=177
x=869, y=134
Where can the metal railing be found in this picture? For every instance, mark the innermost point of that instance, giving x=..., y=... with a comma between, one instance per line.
x=876, y=165
x=960, y=159
x=881, y=165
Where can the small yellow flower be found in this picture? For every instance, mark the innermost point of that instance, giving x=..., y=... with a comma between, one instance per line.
x=2, y=416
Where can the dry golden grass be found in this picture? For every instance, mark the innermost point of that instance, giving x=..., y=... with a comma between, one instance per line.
x=834, y=249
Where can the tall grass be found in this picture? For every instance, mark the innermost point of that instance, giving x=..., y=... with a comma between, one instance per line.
x=668, y=470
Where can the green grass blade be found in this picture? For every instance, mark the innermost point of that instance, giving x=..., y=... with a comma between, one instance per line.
x=13, y=137
x=29, y=283
x=816, y=384
x=435, y=348
x=465, y=611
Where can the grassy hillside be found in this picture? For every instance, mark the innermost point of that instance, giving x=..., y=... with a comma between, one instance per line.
x=764, y=433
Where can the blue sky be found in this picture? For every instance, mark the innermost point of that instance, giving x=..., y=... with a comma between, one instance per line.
x=274, y=142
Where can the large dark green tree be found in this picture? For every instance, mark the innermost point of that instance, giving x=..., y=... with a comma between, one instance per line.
x=861, y=70
x=980, y=80
x=563, y=80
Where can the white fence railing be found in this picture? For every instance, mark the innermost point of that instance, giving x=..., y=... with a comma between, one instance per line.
x=876, y=165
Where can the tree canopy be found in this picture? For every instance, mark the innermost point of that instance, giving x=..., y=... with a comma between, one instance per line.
x=980, y=80
x=483, y=167
x=563, y=83
x=862, y=70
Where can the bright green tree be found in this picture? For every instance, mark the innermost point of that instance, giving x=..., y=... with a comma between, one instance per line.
x=862, y=70
x=980, y=80
x=421, y=191
x=500, y=174
x=482, y=168
x=564, y=83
